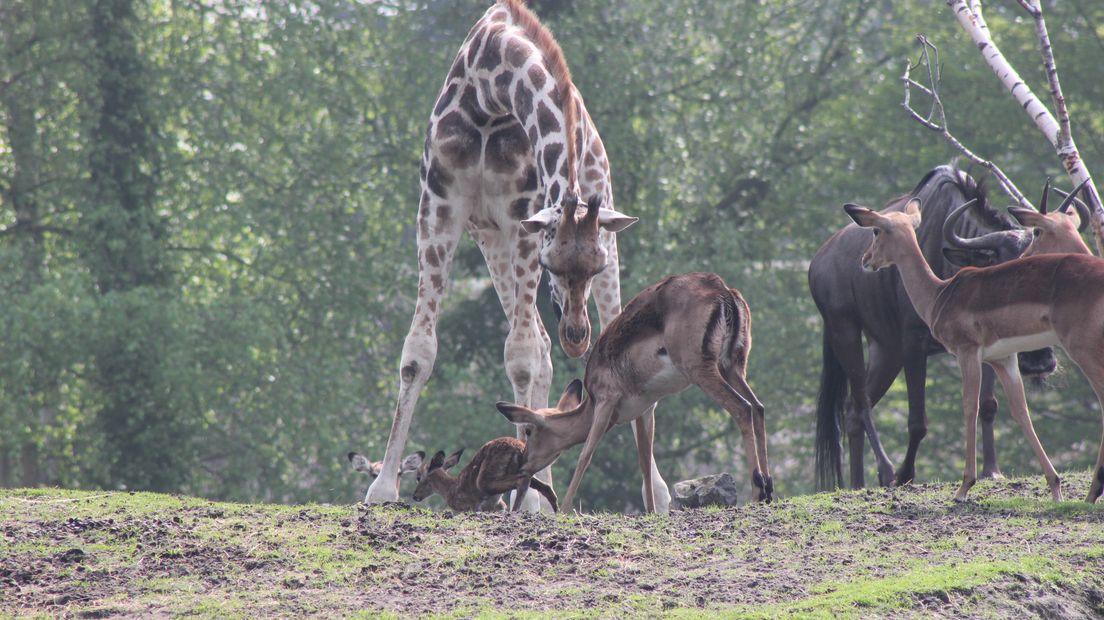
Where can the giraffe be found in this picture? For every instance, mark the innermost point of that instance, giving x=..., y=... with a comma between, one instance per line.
x=510, y=155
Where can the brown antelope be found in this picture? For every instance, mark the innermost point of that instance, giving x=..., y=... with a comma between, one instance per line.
x=1055, y=232
x=495, y=469
x=688, y=329
x=986, y=315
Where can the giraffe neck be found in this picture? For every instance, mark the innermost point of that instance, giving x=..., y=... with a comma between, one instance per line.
x=518, y=70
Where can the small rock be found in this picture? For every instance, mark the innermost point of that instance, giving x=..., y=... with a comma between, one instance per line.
x=715, y=490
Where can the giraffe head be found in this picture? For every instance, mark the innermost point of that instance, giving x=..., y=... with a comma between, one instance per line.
x=573, y=252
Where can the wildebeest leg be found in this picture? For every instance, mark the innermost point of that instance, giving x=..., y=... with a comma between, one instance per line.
x=845, y=339
x=916, y=376
x=883, y=368
x=988, y=413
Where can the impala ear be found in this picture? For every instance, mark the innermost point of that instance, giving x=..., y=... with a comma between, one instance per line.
x=615, y=221
x=541, y=220
x=361, y=463
x=912, y=210
x=412, y=462
x=519, y=414
x=572, y=396
x=438, y=460
x=861, y=215
x=452, y=460
x=1026, y=217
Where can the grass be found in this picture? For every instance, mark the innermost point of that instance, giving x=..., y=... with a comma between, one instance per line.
x=872, y=553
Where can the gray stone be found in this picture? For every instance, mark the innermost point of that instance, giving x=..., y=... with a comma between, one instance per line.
x=715, y=490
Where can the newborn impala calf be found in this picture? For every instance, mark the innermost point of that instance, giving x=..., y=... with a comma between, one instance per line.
x=688, y=329
x=495, y=469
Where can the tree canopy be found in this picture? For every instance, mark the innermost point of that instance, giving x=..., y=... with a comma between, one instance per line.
x=207, y=224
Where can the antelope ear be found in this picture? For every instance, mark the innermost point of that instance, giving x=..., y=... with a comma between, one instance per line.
x=360, y=463
x=412, y=462
x=912, y=210
x=452, y=460
x=572, y=396
x=519, y=414
x=861, y=215
x=615, y=221
x=1026, y=217
x=541, y=220
x=438, y=460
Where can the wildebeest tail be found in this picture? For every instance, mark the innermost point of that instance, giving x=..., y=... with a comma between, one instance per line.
x=830, y=399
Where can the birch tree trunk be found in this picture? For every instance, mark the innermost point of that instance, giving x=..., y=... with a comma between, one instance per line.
x=969, y=16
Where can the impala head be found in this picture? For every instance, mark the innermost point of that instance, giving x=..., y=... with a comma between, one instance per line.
x=548, y=432
x=426, y=470
x=1057, y=232
x=572, y=253
x=372, y=468
x=891, y=230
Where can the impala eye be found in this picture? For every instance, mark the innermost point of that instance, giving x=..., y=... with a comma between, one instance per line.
x=1036, y=231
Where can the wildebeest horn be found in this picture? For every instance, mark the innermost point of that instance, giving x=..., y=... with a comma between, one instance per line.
x=984, y=242
x=1043, y=200
x=1071, y=198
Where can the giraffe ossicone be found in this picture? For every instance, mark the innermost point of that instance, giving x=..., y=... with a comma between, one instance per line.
x=510, y=153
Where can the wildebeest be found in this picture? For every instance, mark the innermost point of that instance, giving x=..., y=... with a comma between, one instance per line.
x=854, y=303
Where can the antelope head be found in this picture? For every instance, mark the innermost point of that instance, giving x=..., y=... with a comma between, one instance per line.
x=891, y=230
x=436, y=467
x=548, y=432
x=1057, y=232
x=573, y=253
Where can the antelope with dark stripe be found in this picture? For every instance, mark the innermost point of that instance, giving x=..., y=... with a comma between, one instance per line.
x=685, y=330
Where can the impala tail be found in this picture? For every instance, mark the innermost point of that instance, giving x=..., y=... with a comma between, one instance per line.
x=830, y=399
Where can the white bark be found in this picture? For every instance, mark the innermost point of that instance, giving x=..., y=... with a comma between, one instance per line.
x=969, y=16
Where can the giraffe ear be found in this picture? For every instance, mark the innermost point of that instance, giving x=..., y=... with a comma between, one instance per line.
x=541, y=220
x=615, y=221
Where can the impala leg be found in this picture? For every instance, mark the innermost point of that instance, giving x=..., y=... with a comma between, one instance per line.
x=1093, y=367
x=546, y=491
x=1008, y=371
x=420, y=347
x=603, y=414
x=988, y=415
x=519, y=492
x=759, y=423
x=740, y=409
x=970, y=366
x=527, y=352
x=644, y=432
x=607, y=296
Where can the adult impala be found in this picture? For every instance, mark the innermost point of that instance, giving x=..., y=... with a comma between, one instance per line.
x=683, y=330
x=987, y=315
x=1056, y=232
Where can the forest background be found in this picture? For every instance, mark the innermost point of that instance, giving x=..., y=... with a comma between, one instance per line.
x=207, y=224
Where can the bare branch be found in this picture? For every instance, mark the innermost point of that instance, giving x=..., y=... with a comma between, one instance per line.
x=936, y=119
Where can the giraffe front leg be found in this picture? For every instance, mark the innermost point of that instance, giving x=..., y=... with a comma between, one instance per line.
x=437, y=240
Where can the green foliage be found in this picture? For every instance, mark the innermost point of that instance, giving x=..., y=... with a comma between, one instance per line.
x=208, y=209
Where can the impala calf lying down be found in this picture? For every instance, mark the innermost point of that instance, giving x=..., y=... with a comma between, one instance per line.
x=986, y=315
x=495, y=469
x=688, y=329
